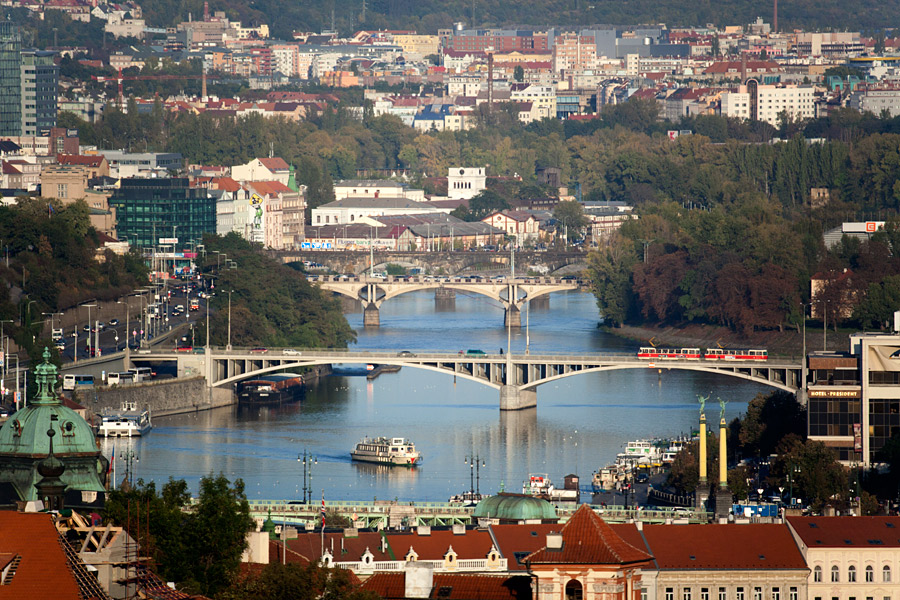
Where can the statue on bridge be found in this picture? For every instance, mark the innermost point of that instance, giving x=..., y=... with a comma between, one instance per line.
x=702, y=400
x=722, y=404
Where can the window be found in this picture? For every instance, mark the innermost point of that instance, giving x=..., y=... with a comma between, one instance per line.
x=739, y=594
x=643, y=593
x=817, y=574
x=776, y=593
x=835, y=574
x=870, y=574
x=670, y=594
x=851, y=574
x=704, y=593
x=886, y=574
x=792, y=594
x=686, y=593
x=723, y=595
x=757, y=593
x=574, y=591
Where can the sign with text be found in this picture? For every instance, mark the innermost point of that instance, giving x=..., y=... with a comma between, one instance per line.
x=834, y=393
x=168, y=241
x=315, y=246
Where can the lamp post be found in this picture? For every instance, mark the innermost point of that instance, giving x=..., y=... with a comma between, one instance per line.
x=129, y=457
x=308, y=461
x=90, y=327
x=475, y=463
x=4, y=369
x=228, y=346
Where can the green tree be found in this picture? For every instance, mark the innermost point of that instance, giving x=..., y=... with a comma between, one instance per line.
x=609, y=271
x=296, y=582
x=570, y=214
x=485, y=203
x=768, y=420
x=819, y=478
x=218, y=532
x=519, y=73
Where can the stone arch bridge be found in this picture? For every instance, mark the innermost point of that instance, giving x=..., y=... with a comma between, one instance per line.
x=357, y=262
x=515, y=376
x=512, y=293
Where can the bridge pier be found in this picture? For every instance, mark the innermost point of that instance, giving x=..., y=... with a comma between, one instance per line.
x=513, y=397
x=444, y=299
x=371, y=316
x=541, y=302
x=513, y=316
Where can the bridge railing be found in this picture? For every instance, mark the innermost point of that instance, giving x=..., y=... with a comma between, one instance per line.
x=351, y=355
x=423, y=279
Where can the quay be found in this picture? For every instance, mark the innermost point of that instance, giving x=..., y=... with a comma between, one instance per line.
x=381, y=515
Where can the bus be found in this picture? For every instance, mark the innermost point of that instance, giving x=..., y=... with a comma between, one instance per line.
x=120, y=378
x=141, y=373
x=71, y=382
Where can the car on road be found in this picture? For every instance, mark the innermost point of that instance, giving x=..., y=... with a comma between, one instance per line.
x=101, y=325
x=113, y=322
x=187, y=348
x=86, y=328
x=472, y=352
x=642, y=478
x=61, y=346
x=405, y=354
x=291, y=352
x=259, y=350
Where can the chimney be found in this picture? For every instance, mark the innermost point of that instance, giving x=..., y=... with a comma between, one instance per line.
x=490, y=80
x=418, y=580
x=554, y=541
x=775, y=19
x=423, y=530
x=743, y=67
x=459, y=529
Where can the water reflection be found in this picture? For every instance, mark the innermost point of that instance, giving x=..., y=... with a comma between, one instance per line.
x=579, y=425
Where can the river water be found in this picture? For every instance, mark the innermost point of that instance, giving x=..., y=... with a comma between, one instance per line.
x=579, y=425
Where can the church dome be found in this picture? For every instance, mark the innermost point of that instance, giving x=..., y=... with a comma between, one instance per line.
x=25, y=432
x=515, y=507
x=24, y=444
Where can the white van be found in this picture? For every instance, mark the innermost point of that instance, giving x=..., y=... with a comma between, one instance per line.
x=57, y=335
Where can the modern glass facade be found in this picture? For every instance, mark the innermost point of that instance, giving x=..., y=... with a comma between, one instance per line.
x=151, y=208
x=10, y=79
x=40, y=89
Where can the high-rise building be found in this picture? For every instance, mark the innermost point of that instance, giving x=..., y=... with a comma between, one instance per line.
x=10, y=79
x=151, y=208
x=40, y=89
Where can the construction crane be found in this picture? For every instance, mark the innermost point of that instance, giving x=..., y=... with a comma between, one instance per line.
x=120, y=78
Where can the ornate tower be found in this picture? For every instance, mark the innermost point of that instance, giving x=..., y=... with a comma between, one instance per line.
x=724, y=496
x=702, y=493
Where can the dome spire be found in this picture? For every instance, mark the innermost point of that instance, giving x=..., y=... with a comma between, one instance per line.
x=45, y=374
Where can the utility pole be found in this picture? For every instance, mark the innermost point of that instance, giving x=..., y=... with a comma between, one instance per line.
x=364, y=11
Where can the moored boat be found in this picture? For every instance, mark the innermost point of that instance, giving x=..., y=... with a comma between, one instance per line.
x=125, y=424
x=270, y=389
x=387, y=451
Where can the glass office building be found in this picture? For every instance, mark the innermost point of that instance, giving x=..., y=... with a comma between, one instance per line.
x=40, y=89
x=148, y=209
x=10, y=79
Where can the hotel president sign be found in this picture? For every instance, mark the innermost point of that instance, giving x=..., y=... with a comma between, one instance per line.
x=834, y=393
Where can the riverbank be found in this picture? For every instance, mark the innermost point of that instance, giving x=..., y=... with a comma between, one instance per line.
x=785, y=343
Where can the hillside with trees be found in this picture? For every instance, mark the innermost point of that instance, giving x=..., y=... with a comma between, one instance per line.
x=427, y=16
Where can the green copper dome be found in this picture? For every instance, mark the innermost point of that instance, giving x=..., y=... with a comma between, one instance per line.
x=515, y=507
x=24, y=441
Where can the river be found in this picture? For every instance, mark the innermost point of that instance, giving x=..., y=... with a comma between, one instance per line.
x=579, y=425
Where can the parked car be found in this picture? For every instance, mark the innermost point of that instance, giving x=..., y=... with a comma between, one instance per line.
x=113, y=322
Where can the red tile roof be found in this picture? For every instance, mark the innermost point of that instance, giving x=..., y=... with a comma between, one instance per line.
x=730, y=546
x=42, y=572
x=476, y=543
x=588, y=539
x=274, y=164
x=734, y=66
x=843, y=532
x=77, y=159
x=269, y=188
x=226, y=184
x=454, y=586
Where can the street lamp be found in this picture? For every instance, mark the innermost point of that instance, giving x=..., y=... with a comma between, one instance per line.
x=228, y=346
x=130, y=458
x=4, y=369
x=308, y=461
x=475, y=463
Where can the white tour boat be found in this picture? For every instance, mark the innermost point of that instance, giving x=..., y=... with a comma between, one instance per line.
x=125, y=424
x=387, y=451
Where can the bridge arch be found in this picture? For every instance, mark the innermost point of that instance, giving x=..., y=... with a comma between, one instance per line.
x=434, y=366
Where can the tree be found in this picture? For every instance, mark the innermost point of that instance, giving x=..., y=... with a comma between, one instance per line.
x=519, y=73
x=609, y=270
x=485, y=203
x=715, y=50
x=217, y=532
x=296, y=582
x=571, y=215
x=769, y=419
x=818, y=477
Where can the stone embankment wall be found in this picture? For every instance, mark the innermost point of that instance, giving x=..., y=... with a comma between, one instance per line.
x=167, y=397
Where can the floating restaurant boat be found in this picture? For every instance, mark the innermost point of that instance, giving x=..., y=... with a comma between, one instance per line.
x=540, y=486
x=125, y=424
x=387, y=451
